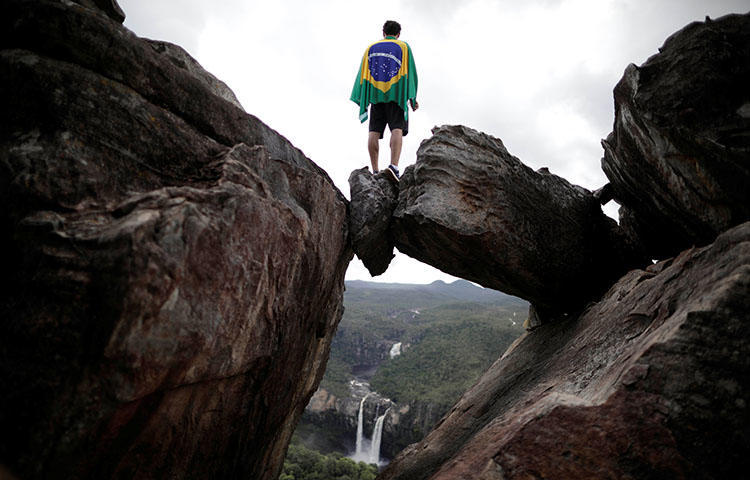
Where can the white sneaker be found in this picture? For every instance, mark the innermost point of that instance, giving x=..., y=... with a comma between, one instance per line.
x=392, y=171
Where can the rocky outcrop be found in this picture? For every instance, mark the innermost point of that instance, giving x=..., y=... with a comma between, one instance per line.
x=152, y=71
x=650, y=382
x=408, y=424
x=679, y=156
x=336, y=417
x=335, y=420
x=184, y=61
x=108, y=7
x=373, y=198
x=365, y=354
x=174, y=267
x=471, y=209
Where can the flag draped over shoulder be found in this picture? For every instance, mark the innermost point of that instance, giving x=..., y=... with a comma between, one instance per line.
x=387, y=74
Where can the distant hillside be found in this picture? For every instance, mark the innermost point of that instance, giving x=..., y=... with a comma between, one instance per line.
x=467, y=323
x=415, y=295
x=457, y=342
x=446, y=335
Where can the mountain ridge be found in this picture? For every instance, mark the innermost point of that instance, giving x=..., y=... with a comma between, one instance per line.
x=460, y=290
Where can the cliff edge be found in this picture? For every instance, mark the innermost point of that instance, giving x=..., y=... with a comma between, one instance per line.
x=173, y=267
x=631, y=369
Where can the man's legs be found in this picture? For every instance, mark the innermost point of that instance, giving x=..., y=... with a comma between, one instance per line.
x=382, y=115
x=373, y=146
x=396, y=140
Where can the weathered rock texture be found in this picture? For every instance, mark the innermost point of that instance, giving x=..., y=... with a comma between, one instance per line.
x=174, y=267
x=184, y=61
x=471, y=209
x=650, y=382
x=108, y=7
x=679, y=156
x=373, y=199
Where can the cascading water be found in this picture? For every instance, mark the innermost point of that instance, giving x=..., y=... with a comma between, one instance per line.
x=369, y=450
x=377, y=435
x=358, y=451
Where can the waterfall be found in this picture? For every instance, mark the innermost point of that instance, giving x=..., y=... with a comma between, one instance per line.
x=395, y=350
x=358, y=451
x=368, y=450
x=377, y=435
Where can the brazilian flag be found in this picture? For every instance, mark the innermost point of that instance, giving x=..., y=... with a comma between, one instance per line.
x=387, y=74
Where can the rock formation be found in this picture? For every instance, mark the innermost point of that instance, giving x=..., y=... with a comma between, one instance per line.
x=473, y=210
x=678, y=156
x=335, y=421
x=173, y=267
x=338, y=418
x=373, y=199
x=651, y=380
x=108, y=7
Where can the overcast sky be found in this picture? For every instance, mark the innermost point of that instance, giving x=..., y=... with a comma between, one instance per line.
x=538, y=74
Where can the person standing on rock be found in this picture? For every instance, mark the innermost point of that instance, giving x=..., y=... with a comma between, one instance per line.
x=387, y=80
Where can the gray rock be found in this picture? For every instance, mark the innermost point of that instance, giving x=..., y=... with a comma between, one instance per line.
x=173, y=268
x=180, y=58
x=373, y=199
x=471, y=209
x=650, y=382
x=679, y=155
x=108, y=7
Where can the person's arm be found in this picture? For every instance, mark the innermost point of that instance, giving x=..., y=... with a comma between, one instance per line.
x=412, y=81
x=360, y=91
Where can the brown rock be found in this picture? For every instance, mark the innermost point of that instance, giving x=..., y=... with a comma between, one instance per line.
x=173, y=268
x=117, y=55
x=471, y=209
x=373, y=199
x=679, y=156
x=650, y=382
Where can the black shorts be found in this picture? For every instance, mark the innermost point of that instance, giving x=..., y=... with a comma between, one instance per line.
x=382, y=114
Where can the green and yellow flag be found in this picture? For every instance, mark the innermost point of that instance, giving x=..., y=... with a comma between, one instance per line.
x=387, y=74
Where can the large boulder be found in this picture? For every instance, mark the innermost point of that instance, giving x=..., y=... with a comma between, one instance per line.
x=471, y=209
x=679, y=156
x=173, y=268
x=373, y=199
x=653, y=381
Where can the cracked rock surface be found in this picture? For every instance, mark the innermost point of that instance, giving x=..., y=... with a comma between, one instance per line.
x=649, y=382
x=678, y=158
x=471, y=209
x=173, y=267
